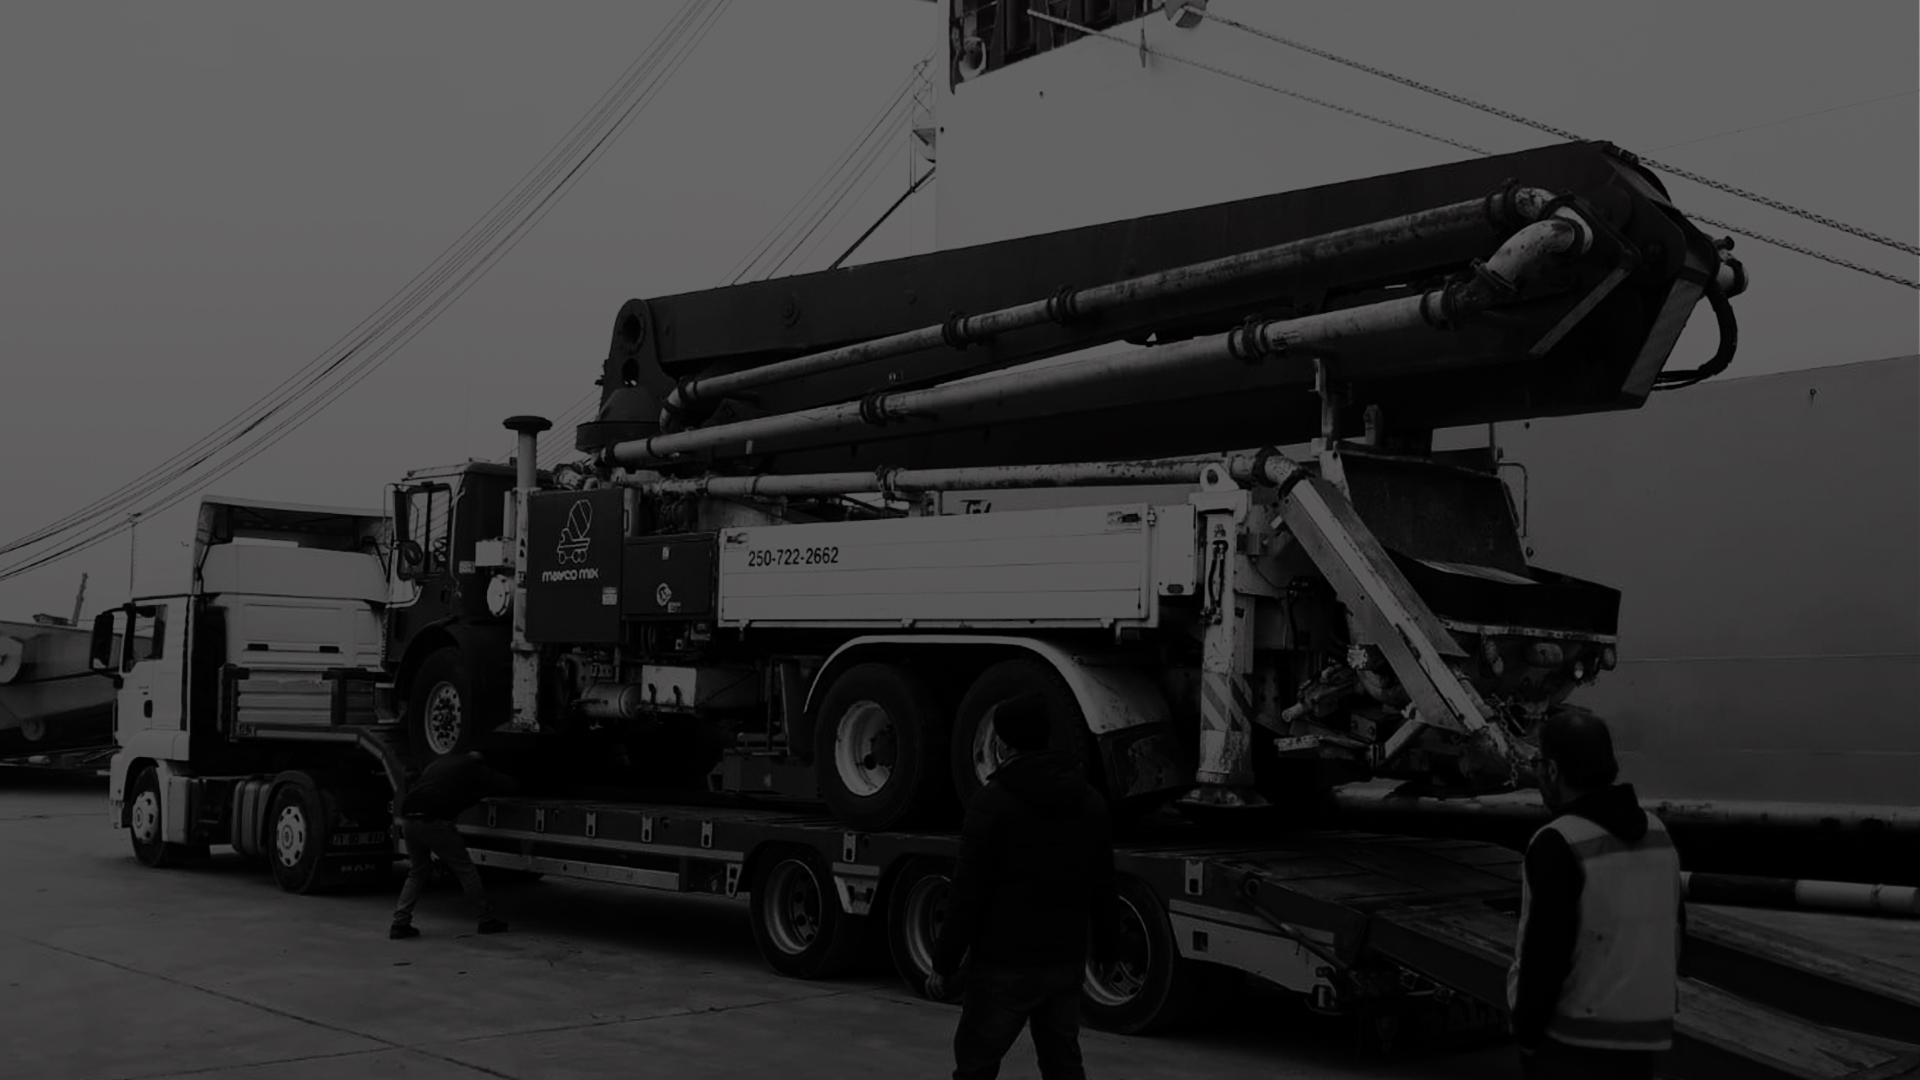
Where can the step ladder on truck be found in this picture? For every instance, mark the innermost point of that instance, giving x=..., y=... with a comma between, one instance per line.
x=731, y=604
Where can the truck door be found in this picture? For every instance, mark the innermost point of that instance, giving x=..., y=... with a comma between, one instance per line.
x=150, y=636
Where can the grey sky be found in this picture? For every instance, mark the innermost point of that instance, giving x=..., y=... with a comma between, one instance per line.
x=201, y=196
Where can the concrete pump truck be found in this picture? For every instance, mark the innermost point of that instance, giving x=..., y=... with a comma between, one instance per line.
x=756, y=639
x=759, y=582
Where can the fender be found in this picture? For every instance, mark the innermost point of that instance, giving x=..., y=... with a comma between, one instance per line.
x=162, y=748
x=1112, y=697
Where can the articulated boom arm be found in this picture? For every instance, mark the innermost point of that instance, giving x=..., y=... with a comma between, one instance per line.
x=1548, y=282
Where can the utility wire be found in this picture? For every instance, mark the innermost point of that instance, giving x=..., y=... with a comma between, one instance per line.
x=371, y=363
x=878, y=168
x=1459, y=99
x=407, y=297
x=1740, y=230
x=1789, y=119
x=847, y=154
x=785, y=224
x=589, y=403
x=865, y=169
x=904, y=196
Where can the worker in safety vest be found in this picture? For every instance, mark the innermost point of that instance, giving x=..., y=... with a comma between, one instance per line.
x=1593, y=987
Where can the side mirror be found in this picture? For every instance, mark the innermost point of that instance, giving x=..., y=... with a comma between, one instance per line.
x=412, y=555
x=100, y=649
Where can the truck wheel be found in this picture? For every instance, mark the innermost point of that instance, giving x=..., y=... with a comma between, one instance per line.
x=797, y=921
x=976, y=752
x=143, y=823
x=916, y=909
x=441, y=716
x=1151, y=985
x=880, y=750
x=297, y=824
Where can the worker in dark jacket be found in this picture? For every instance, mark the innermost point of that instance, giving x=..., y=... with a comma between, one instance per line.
x=1035, y=875
x=1593, y=987
x=427, y=809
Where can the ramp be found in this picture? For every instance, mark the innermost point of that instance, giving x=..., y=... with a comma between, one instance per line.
x=1757, y=1005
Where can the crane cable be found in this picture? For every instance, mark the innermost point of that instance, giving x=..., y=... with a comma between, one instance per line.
x=402, y=301
x=1740, y=230
x=588, y=403
x=371, y=363
x=831, y=180
x=1504, y=114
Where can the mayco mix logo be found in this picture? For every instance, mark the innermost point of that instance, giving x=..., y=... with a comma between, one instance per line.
x=575, y=540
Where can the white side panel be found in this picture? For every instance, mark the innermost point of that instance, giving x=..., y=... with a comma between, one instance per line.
x=273, y=570
x=1082, y=564
x=300, y=634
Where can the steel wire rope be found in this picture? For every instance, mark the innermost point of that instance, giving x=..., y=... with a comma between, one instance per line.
x=904, y=92
x=371, y=364
x=1751, y=234
x=159, y=475
x=872, y=165
x=1561, y=133
x=836, y=181
x=880, y=169
x=739, y=271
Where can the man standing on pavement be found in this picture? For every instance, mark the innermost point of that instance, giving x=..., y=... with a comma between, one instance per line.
x=1035, y=875
x=1594, y=983
x=427, y=810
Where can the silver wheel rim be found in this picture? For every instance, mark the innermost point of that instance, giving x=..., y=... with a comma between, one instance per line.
x=793, y=914
x=926, y=910
x=989, y=753
x=864, y=748
x=1119, y=984
x=443, y=718
x=145, y=818
x=290, y=836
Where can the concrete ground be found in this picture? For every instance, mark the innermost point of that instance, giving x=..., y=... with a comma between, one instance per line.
x=111, y=971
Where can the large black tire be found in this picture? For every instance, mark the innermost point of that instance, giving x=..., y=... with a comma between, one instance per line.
x=145, y=806
x=797, y=921
x=880, y=749
x=975, y=753
x=443, y=707
x=916, y=907
x=297, y=833
x=1152, y=986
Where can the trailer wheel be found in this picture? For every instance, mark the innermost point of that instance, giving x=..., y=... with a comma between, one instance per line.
x=441, y=708
x=144, y=825
x=977, y=752
x=298, y=827
x=916, y=908
x=1151, y=985
x=797, y=921
x=880, y=750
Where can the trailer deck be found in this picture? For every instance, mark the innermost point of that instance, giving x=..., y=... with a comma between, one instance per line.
x=1309, y=912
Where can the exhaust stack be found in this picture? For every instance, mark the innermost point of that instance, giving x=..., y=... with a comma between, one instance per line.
x=526, y=667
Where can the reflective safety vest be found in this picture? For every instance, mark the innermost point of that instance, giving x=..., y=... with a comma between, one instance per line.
x=1623, y=989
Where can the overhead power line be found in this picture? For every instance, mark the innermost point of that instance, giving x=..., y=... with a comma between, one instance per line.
x=1740, y=230
x=642, y=72
x=1560, y=133
x=786, y=226
x=795, y=229
x=1789, y=119
x=396, y=305
x=904, y=196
